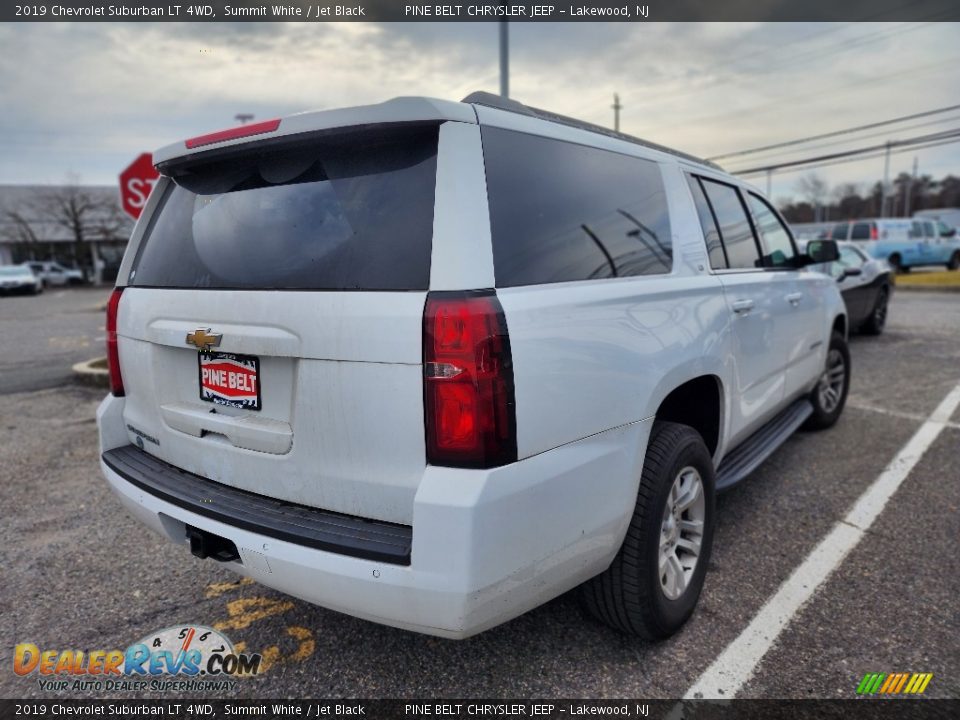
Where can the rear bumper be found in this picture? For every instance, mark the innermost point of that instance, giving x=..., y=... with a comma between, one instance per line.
x=487, y=545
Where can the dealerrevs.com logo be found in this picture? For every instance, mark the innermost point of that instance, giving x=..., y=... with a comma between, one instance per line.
x=180, y=658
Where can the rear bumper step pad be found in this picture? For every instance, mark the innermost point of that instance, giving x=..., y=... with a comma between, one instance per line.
x=297, y=524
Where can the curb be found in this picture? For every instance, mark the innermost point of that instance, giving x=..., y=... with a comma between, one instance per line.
x=92, y=372
x=927, y=288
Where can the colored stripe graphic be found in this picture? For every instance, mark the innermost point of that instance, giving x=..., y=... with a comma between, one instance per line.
x=894, y=683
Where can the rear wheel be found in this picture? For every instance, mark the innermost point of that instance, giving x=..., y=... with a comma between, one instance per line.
x=954, y=263
x=830, y=394
x=878, y=317
x=652, y=586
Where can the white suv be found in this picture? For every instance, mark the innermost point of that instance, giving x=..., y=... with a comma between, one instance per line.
x=434, y=363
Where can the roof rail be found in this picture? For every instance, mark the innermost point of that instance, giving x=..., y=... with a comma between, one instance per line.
x=502, y=103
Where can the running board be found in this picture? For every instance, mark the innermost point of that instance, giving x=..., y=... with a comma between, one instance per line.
x=748, y=455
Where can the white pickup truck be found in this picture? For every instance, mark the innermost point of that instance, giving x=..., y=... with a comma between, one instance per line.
x=434, y=363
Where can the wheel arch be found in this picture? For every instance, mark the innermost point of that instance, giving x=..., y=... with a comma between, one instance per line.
x=699, y=403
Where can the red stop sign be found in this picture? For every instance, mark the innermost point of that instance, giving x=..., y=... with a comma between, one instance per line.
x=136, y=182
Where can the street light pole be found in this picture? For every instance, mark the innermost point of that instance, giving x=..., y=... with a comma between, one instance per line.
x=504, y=59
x=617, y=107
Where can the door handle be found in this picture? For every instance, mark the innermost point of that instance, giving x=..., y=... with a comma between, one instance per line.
x=795, y=298
x=742, y=307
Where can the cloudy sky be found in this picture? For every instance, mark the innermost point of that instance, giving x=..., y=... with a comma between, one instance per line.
x=84, y=99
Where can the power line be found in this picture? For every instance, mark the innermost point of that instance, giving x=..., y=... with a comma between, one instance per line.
x=874, y=156
x=909, y=142
x=882, y=133
x=835, y=133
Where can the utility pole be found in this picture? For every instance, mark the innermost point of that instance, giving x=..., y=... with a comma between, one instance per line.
x=886, y=182
x=617, y=107
x=913, y=179
x=504, y=60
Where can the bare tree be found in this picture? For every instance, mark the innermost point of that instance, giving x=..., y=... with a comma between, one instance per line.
x=815, y=190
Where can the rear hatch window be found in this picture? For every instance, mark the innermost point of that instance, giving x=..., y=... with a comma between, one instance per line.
x=343, y=211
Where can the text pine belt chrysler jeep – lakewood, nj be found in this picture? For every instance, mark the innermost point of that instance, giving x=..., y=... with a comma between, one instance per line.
x=433, y=363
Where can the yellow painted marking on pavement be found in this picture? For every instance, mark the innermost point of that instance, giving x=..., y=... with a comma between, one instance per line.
x=245, y=611
x=218, y=589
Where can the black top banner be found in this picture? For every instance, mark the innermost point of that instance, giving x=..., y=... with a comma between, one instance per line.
x=547, y=11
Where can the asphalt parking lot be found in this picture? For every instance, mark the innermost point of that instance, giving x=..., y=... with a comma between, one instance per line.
x=79, y=573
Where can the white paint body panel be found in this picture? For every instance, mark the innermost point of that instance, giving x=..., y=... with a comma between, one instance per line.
x=480, y=556
x=342, y=422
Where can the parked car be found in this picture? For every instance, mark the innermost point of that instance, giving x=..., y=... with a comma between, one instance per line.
x=904, y=243
x=866, y=286
x=433, y=364
x=19, y=279
x=53, y=273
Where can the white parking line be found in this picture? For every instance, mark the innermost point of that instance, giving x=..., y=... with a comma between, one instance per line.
x=737, y=663
x=856, y=405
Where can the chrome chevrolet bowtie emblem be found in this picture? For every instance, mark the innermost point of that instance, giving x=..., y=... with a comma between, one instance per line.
x=204, y=339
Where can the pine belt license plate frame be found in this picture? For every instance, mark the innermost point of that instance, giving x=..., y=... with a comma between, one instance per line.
x=217, y=390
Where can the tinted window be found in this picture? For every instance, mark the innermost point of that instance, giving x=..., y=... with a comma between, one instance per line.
x=916, y=230
x=861, y=231
x=560, y=211
x=774, y=236
x=735, y=230
x=710, y=233
x=839, y=232
x=928, y=230
x=346, y=211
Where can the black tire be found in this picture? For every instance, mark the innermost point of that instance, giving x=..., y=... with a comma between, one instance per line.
x=878, y=316
x=954, y=263
x=826, y=414
x=895, y=263
x=629, y=595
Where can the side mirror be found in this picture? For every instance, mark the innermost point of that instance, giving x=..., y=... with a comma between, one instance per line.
x=822, y=251
x=849, y=272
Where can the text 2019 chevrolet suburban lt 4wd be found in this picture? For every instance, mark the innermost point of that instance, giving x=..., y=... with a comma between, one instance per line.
x=434, y=363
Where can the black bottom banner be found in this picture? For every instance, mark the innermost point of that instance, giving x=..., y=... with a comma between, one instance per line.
x=180, y=709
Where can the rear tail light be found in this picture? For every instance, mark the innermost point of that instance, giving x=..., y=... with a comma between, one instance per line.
x=469, y=405
x=873, y=231
x=113, y=354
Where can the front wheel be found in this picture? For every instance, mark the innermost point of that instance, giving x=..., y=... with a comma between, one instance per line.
x=954, y=263
x=652, y=586
x=830, y=394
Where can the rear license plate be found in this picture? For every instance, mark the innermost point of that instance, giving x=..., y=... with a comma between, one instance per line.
x=228, y=379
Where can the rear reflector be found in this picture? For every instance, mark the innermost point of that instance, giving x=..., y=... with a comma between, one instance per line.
x=233, y=133
x=469, y=404
x=113, y=353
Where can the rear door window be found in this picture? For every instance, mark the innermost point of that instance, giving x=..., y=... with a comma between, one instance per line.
x=561, y=211
x=735, y=230
x=839, y=232
x=344, y=211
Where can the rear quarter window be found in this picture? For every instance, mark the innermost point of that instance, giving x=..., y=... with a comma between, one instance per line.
x=561, y=212
x=344, y=211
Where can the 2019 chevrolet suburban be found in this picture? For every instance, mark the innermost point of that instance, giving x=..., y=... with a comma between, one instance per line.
x=433, y=363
